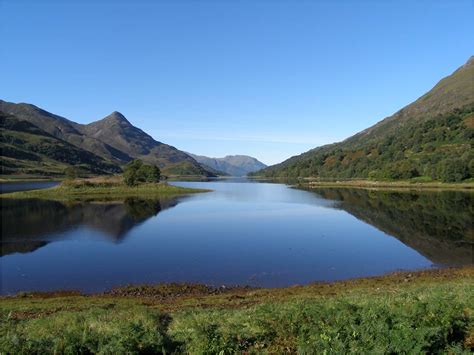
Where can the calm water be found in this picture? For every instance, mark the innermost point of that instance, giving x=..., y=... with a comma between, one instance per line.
x=259, y=234
x=23, y=186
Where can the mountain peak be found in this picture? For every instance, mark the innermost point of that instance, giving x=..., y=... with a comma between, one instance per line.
x=470, y=61
x=116, y=116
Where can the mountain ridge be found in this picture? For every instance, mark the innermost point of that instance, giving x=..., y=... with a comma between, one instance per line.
x=430, y=137
x=27, y=148
x=112, y=138
x=233, y=165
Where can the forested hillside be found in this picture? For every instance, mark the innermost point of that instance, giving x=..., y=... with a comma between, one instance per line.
x=429, y=139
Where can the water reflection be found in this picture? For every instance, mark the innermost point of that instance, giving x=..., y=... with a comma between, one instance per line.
x=439, y=225
x=30, y=224
x=258, y=234
x=24, y=186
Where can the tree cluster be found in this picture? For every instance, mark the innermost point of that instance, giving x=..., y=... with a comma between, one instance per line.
x=137, y=172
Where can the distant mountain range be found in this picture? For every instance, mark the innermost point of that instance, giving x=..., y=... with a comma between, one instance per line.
x=432, y=138
x=233, y=165
x=37, y=142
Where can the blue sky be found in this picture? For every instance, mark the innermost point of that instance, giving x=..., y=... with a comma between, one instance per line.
x=265, y=78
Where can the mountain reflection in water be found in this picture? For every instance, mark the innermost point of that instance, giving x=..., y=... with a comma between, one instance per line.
x=439, y=225
x=30, y=224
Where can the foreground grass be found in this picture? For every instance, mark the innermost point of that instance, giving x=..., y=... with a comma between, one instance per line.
x=102, y=188
x=426, y=312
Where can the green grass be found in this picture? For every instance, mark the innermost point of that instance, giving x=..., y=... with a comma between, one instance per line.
x=427, y=312
x=87, y=190
x=420, y=320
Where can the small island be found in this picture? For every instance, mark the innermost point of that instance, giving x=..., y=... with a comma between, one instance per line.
x=138, y=180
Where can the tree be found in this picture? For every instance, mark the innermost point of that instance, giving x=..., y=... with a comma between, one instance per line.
x=137, y=172
x=148, y=173
x=454, y=170
x=130, y=176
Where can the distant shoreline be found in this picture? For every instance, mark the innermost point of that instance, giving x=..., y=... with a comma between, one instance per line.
x=366, y=184
x=369, y=184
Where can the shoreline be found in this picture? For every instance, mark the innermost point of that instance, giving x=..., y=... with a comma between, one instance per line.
x=397, y=312
x=173, y=291
x=369, y=184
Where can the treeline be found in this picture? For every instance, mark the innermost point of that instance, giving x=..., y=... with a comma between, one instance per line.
x=438, y=148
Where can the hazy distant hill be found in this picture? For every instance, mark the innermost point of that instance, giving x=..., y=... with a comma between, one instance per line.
x=113, y=138
x=27, y=149
x=234, y=165
x=431, y=138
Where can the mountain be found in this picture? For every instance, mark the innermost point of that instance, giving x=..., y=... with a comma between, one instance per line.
x=64, y=129
x=27, y=149
x=430, y=138
x=233, y=165
x=112, y=138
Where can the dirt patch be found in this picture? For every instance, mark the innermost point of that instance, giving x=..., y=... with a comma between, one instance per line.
x=171, y=291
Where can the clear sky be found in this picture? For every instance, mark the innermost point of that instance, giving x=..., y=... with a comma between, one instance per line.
x=265, y=78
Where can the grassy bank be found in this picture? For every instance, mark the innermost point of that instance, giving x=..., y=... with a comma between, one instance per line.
x=429, y=311
x=372, y=184
x=392, y=184
x=102, y=187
